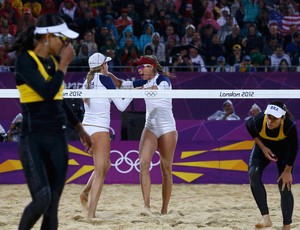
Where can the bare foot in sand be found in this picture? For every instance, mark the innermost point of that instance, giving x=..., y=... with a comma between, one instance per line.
x=84, y=200
x=286, y=227
x=264, y=222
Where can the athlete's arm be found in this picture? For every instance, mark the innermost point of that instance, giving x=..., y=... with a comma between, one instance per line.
x=27, y=73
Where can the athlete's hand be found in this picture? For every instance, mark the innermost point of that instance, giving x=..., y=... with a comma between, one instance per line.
x=269, y=154
x=67, y=54
x=287, y=180
x=85, y=139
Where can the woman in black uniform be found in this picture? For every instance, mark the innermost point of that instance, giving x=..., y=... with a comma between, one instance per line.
x=43, y=147
x=276, y=139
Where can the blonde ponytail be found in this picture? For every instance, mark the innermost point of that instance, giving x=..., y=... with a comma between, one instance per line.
x=89, y=77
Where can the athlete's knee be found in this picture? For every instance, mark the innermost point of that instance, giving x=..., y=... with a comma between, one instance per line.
x=286, y=192
x=145, y=163
x=166, y=169
x=42, y=200
x=254, y=175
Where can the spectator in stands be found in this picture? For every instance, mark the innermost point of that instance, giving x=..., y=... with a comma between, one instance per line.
x=273, y=32
x=221, y=65
x=255, y=109
x=123, y=21
x=267, y=65
x=171, y=43
x=115, y=62
x=270, y=46
x=236, y=56
x=17, y=4
x=226, y=28
x=14, y=132
x=245, y=65
x=251, y=10
x=2, y=134
x=158, y=48
x=208, y=19
x=218, y=6
x=81, y=58
x=87, y=22
x=135, y=17
x=148, y=50
x=13, y=14
x=196, y=40
x=232, y=39
x=292, y=28
x=170, y=31
x=109, y=23
x=69, y=8
x=145, y=38
x=128, y=33
x=216, y=49
x=292, y=47
x=253, y=39
x=188, y=36
x=184, y=64
x=89, y=41
x=129, y=54
x=5, y=60
x=34, y=6
x=5, y=36
x=284, y=66
x=263, y=19
x=227, y=113
x=197, y=60
x=108, y=45
x=225, y=12
x=277, y=56
x=48, y=7
x=102, y=34
x=257, y=59
x=27, y=19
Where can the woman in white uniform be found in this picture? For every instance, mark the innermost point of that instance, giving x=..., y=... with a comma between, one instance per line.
x=96, y=122
x=159, y=131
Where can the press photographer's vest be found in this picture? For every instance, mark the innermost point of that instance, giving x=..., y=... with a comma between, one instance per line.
x=27, y=94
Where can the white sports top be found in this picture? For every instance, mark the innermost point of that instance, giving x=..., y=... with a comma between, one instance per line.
x=158, y=110
x=98, y=113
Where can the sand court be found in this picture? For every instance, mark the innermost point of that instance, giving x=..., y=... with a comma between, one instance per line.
x=192, y=206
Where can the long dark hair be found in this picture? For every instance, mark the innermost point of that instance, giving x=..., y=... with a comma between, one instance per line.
x=283, y=106
x=26, y=39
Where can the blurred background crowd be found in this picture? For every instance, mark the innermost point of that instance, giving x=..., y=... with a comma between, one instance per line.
x=185, y=35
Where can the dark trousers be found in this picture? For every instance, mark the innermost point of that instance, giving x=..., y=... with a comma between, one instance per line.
x=44, y=158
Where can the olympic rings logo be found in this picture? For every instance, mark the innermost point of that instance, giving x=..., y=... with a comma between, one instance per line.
x=130, y=160
x=151, y=93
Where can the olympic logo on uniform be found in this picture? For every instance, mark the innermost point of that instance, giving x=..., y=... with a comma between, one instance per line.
x=129, y=161
x=151, y=93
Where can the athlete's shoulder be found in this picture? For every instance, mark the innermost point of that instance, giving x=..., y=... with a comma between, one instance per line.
x=106, y=81
x=161, y=78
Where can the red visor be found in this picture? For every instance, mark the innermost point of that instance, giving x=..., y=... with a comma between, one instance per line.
x=144, y=60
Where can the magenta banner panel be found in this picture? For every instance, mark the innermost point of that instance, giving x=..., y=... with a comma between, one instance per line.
x=207, y=152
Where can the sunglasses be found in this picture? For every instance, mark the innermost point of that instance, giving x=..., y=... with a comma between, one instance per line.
x=62, y=37
x=140, y=67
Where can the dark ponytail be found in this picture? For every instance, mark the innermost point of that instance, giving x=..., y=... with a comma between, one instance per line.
x=26, y=39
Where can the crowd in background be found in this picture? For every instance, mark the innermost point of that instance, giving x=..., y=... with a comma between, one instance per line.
x=186, y=35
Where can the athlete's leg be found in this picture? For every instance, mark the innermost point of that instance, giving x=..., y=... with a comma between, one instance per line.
x=287, y=199
x=257, y=164
x=166, y=145
x=147, y=148
x=84, y=195
x=101, y=155
x=56, y=166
